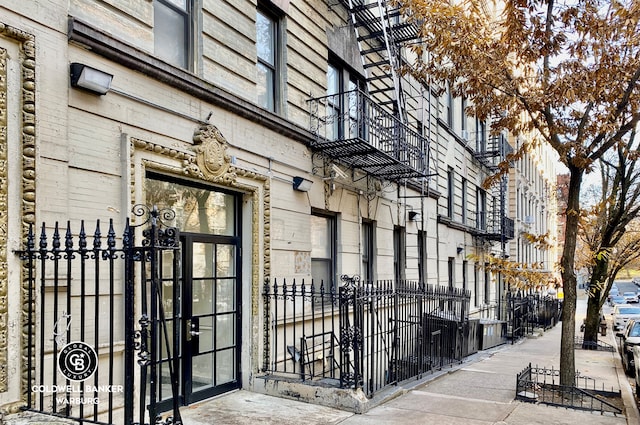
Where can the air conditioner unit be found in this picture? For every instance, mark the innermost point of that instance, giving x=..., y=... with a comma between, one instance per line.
x=528, y=219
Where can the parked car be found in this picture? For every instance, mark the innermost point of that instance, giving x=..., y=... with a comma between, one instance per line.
x=631, y=297
x=636, y=364
x=613, y=292
x=627, y=339
x=622, y=313
x=618, y=299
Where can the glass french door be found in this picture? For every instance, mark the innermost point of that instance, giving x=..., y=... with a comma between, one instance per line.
x=209, y=298
x=211, y=316
x=211, y=319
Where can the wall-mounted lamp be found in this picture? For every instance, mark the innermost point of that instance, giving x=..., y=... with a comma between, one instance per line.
x=459, y=249
x=91, y=79
x=414, y=215
x=301, y=184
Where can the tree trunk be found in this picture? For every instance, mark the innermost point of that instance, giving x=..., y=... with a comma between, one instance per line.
x=592, y=321
x=567, y=355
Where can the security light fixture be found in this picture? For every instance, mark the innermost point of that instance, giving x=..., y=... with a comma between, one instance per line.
x=301, y=184
x=90, y=79
x=459, y=249
x=414, y=215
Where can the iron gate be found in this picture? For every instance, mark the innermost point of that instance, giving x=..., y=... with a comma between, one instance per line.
x=88, y=357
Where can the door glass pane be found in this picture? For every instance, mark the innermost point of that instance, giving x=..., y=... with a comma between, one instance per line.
x=225, y=295
x=333, y=103
x=164, y=390
x=202, y=260
x=225, y=331
x=225, y=261
x=162, y=344
x=197, y=210
x=206, y=334
x=225, y=366
x=201, y=373
x=202, y=296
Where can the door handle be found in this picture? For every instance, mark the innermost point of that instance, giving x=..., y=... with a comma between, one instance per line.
x=192, y=329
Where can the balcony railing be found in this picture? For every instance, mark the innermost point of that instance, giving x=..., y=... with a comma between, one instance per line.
x=494, y=226
x=352, y=128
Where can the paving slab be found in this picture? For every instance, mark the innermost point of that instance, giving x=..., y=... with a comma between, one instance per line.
x=385, y=415
x=249, y=408
x=454, y=406
x=536, y=414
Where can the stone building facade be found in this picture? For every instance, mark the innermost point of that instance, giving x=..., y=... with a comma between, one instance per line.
x=225, y=112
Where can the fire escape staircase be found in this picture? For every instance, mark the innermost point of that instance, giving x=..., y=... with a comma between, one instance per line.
x=369, y=130
x=494, y=225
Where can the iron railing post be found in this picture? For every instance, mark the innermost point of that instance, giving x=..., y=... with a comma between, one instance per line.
x=129, y=331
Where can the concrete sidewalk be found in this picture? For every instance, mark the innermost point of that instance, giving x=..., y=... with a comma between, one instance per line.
x=480, y=391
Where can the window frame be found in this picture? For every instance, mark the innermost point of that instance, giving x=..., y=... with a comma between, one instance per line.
x=449, y=106
x=188, y=15
x=348, y=123
x=368, y=250
x=399, y=253
x=332, y=239
x=463, y=200
x=481, y=209
x=487, y=284
x=274, y=103
x=450, y=193
x=422, y=256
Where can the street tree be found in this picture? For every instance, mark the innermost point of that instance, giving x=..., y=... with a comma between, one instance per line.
x=609, y=229
x=565, y=72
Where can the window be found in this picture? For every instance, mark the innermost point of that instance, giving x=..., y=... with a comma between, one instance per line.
x=481, y=138
x=449, y=111
x=422, y=256
x=481, y=209
x=476, y=284
x=450, y=193
x=267, y=45
x=465, y=265
x=334, y=102
x=464, y=201
x=463, y=118
x=344, y=102
x=367, y=251
x=487, y=283
x=172, y=31
x=399, y=253
x=323, y=243
x=451, y=271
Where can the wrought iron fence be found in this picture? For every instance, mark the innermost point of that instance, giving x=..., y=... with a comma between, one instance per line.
x=88, y=357
x=524, y=313
x=366, y=335
x=542, y=385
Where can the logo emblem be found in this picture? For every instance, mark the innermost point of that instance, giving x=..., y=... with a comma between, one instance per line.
x=77, y=361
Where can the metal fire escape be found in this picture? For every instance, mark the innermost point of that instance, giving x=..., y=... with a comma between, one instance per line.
x=369, y=130
x=494, y=225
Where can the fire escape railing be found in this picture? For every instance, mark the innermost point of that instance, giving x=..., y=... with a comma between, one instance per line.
x=493, y=224
x=354, y=129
